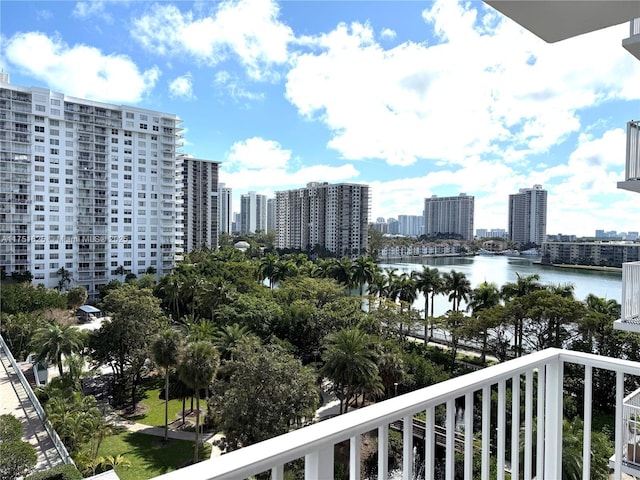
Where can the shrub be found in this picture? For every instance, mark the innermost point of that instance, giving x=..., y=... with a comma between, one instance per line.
x=60, y=472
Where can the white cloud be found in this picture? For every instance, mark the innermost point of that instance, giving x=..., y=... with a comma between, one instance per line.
x=387, y=34
x=79, y=70
x=232, y=86
x=91, y=9
x=248, y=29
x=264, y=166
x=181, y=87
x=489, y=88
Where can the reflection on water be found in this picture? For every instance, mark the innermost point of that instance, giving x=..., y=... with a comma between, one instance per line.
x=501, y=269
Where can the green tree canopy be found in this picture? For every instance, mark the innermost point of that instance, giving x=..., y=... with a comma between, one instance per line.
x=267, y=392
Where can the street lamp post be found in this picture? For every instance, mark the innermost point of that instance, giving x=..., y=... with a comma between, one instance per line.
x=395, y=389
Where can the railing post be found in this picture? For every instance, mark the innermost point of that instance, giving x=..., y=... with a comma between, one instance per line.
x=429, y=443
x=618, y=432
x=553, y=420
x=354, y=458
x=407, y=447
x=383, y=450
x=586, y=441
x=319, y=464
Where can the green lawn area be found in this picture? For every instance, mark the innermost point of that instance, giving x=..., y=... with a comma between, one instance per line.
x=149, y=457
x=154, y=416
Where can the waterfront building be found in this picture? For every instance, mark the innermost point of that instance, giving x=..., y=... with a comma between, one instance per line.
x=528, y=215
x=493, y=233
x=199, y=203
x=253, y=213
x=271, y=215
x=449, y=216
x=411, y=225
x=86, y=186
x=333, y=216
x=609, y=254
x=225, y=208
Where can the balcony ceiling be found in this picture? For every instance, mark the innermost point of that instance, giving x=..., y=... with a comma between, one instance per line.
x=555, y=20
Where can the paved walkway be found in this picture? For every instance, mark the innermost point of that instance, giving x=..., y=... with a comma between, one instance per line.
x=14, y=401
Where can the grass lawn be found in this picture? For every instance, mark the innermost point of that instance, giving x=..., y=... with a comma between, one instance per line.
x=149, y=457
x=154, y=415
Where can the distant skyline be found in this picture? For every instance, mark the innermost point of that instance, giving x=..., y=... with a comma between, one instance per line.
x=413, y=98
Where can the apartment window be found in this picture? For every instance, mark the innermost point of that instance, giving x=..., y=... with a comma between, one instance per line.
x=54, y=151
x=129, y=115
x=39, y=168
x=143, y=126
x=39, y=158
x=39, y=178
x=114, y=131
x=54, y=131
x=54, y=170
x=39, y=129
x=69, y=134
x=53, y=180
x=40, y=108
x=39, y=139
x=68, y=181
x=53, y=246
x=53, y=199
x=114, y=140
x=156, y=128
x=38, y=119
x=55, y=102
x=127, y=133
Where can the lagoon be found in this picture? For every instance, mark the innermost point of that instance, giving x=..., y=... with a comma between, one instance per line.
x=502, y=269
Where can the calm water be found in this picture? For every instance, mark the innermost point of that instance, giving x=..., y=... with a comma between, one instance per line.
x=500, y=270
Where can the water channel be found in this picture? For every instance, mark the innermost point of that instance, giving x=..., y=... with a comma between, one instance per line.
x=502, y=269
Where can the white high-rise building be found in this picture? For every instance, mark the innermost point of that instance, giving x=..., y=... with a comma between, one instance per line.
x=411, y=225
x=335, y=217
x=271, y=215
x=449, y=216
x=253, y=213
x=225, y=207
x=200, y=202
x=528, y=215
x=85, y=186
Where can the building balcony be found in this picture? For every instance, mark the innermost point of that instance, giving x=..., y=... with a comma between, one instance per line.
x=555, y=21
x=533, y=420
x=632, y=166
x=630, y=301
x=631, y=434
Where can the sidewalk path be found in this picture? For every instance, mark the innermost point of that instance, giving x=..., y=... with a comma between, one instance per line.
x=14, y=401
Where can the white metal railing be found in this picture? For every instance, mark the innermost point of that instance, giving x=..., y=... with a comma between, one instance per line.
x=631, y=430
x=53, y=435
x=634, y=27
x=632, y=170
x=630, y=301
x=535, y=379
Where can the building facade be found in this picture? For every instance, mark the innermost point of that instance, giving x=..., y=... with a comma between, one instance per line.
x=605, y=254
x=449, y=216
x=253, y=213
x=528, y=215
x=411, y=225
x=335, y=217
x=225, y=209
x=271, y=215
x=85, y=186
x=199, y=203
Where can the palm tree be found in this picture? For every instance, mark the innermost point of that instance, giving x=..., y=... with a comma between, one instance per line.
x=53, y=341
x=458, y=286
x=197, y=368
x=229, y=337
x=341, y=271
x=523, y=285
x=484, y=296
x=350, y=362
x=407, y=292
x=378, y=286
x=267, y=268
x=166, y=352
x=65, y=278
x=427, y=281
x=362, y=271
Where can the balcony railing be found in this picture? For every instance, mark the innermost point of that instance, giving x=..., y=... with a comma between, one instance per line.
x=630, y=301
x=536, y=379
x=631, y=434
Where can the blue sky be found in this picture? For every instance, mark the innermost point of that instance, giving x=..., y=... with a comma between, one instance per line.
x=414, y=98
